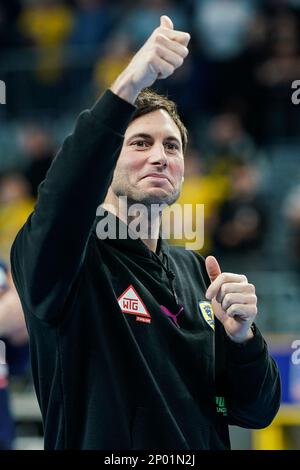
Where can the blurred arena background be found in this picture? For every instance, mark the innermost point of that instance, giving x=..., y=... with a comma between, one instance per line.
x=235, y=96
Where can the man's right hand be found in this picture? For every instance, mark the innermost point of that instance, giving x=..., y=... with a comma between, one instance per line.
x=158, y=58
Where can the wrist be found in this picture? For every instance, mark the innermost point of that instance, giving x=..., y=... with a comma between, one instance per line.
x=124, y=88
x=241, y=339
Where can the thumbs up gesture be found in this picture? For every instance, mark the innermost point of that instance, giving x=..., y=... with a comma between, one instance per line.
x=166, y=22
x=163, y=52
x=233, y=300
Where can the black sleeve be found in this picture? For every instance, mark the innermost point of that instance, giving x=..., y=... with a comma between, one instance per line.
x=48, y=251
x=246, y=375
x=251, y=378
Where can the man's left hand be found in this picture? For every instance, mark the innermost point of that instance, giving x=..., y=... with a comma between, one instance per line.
x=233, y=300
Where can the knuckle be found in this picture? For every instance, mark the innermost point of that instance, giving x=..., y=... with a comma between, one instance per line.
x=179, y=61
x=170, y=69
x=227, y=277
x=159, y=38
x=223, y=290
x=223, y=277
x=156, y=49
x=227, y=301
x=254, y=311
x=185, y=51
x=231, y=310
x=185, y=37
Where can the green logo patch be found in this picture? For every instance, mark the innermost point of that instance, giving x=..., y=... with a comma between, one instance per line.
x=221, y=406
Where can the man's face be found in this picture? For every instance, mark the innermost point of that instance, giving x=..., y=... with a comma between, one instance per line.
x=150, y=166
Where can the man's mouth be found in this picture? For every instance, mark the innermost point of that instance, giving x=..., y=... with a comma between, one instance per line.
x=157, y=176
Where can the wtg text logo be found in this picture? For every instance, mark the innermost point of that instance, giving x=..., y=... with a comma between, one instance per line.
x=2, y=92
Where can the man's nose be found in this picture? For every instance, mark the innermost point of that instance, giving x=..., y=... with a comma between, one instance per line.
x=158, y=155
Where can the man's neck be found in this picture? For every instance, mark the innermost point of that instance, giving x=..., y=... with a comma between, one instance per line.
x=149, y=224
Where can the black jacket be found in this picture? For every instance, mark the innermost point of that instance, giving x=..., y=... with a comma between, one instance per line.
x=112, y=369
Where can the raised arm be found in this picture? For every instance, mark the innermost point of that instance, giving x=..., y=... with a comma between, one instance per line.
x=49, y=250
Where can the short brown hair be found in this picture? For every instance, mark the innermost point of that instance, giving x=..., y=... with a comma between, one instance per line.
x=148, y=100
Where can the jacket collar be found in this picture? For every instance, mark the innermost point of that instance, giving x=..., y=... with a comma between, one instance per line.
x=122, y=237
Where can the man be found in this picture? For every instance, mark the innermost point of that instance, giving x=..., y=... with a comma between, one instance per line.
x=121, y=333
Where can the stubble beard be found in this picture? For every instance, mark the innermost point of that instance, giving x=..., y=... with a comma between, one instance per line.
x=138, y=196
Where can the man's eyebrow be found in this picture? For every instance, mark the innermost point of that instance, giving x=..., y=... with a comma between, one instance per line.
x=149, y=137
x=140, y=134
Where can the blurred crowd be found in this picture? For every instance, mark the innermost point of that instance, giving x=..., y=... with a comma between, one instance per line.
x=59, y=54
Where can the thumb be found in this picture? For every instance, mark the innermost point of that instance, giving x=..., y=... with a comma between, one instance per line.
x=212, y=267
x=166, y=22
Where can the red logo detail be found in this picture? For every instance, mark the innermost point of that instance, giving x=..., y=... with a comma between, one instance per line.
x=130, y=302
x=143, y=320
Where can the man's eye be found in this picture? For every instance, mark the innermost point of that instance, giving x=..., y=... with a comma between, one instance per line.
x=172, y=147
x=140, y=143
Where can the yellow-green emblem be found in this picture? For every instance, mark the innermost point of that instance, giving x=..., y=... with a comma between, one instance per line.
x=221, y=406
x=207, y=313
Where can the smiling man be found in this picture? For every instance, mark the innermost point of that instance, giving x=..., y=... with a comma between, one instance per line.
x=126, y=352
x=150, y=167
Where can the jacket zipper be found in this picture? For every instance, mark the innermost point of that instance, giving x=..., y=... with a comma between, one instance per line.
x=170, y=274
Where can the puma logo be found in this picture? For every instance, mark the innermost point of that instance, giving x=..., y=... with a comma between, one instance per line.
x=171, y=315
